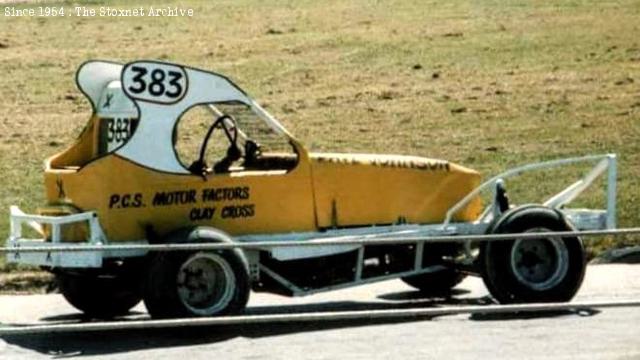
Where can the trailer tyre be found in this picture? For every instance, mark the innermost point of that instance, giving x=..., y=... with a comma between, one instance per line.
x=187, y=284
x=435, y=284
x=100, y=296
x=534, y=270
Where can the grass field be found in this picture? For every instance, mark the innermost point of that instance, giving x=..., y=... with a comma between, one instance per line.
x=488, y=84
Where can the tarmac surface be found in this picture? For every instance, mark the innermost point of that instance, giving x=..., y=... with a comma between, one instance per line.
x=587, y=334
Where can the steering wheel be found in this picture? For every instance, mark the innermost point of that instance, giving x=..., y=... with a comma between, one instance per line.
x=233, y=152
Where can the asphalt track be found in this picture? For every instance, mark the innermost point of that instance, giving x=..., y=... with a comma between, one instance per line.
x=587, y=334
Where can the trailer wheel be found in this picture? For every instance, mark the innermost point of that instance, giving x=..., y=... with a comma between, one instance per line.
x=187, y=284
x=534, y=270
x=100, y=295
x=435, y=284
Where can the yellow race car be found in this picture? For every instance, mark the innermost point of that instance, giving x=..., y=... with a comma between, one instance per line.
x=129, y=180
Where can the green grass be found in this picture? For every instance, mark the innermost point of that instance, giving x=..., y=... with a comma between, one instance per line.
x=488, y=84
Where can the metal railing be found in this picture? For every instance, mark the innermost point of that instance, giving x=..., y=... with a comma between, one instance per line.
x=360, y=315
x=344, y=240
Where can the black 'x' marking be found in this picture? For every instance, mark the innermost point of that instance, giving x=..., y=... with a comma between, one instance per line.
x=61, y=193
x=107, y=102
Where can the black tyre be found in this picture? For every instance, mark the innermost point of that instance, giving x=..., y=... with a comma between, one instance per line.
x=438, y=283
x=533, y=270
x=101, y=295
x=186, y=284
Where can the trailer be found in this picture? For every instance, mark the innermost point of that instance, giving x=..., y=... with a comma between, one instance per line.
x=126, y=185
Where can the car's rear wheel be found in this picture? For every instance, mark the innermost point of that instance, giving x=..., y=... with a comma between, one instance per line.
x=101, y=295
x=196, y=284
x=532, y=270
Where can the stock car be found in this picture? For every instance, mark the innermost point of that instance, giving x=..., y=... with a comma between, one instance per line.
x=127, y=181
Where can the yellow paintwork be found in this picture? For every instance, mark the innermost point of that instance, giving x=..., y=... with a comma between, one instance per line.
x=322, y=191
x=357, y=189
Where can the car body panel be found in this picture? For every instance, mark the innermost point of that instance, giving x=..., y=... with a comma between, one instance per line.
x=367, y=189
x=131, y=199
x=138, y=187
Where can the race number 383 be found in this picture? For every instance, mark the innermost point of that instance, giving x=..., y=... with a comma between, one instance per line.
x=118, y=131
x=155, y=82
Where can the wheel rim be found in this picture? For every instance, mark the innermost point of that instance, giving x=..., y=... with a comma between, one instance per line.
x=205, y=283
x=539, y=264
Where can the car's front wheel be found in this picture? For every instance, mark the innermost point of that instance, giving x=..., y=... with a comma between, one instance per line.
x=548, y=269
x=440, y=282
x=437, y=283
